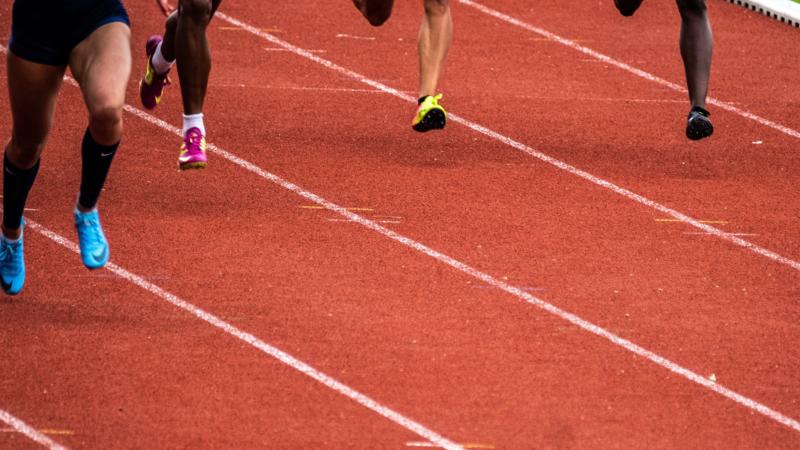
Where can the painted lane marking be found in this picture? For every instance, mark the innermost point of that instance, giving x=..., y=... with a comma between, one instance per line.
x=432, y=445
x=700, y=233
x=275, y=49
x=248, y=338
x=522, y=147
x=522, y=288
x=299, y=88
x=719, y=222
x=48, y=431
x=358, y=38
x=57, y=432
x=349, y=209
x=486, y=278
x=598, y=99
x=23, y=428
x=376, y=219
x=728, y=106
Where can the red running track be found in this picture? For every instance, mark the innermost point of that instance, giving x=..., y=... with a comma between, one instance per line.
x=93, y=361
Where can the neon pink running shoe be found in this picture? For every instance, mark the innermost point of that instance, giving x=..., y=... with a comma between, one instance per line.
x=193, y=150
x=152, y=85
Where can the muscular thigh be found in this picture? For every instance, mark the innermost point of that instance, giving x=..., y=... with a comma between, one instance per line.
x=32, y=91
x=102, y=66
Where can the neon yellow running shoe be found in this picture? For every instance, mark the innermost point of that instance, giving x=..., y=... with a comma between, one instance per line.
x=430, y=115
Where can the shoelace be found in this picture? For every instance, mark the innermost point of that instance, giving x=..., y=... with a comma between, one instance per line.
x=90, y=229
x=7, y=253
x=193, y=141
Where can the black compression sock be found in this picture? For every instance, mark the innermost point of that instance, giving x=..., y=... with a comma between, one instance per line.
x=16, y=186
x=96, y=162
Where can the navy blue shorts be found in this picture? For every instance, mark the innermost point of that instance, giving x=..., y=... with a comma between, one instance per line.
x=46, y=31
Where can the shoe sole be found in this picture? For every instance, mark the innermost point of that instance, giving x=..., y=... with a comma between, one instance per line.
x=146, y=105
x=192, y=166
x=434, y=120
x=698, y=129
x=7, y=288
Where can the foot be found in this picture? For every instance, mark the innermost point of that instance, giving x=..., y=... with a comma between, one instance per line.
x=93, y=244
x=152, y=86
x=627, y=7
x=430, y=115
x=698, y=125
x=193, y=150
x=12, y=266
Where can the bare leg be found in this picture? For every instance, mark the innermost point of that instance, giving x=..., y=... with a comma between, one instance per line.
x=168, y=44
x=102, y=66
x=696, y=48
x=185, y=41
x=435, y=36
x=32, y=91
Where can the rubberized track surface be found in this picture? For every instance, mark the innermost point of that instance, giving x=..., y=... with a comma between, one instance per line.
x=433, y=323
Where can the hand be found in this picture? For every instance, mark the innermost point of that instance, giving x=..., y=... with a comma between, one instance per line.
x=166, y=8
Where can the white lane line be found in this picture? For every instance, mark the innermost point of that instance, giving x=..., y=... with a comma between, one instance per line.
x=700, y=233
x=268, y=349
x=29, y=431
x=270, y=49
x=626, y=67
x=298, y=88
x=522, y=147
x=486, y=278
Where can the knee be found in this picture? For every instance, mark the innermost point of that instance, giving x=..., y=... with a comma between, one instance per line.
x=627, y=7
x=436, y=7
x=23, y=153
x=105, y=120
x=692, y=7
x=197, y=10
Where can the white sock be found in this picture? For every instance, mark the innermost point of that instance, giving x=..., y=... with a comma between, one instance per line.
x=160, y=64
x=193, y=121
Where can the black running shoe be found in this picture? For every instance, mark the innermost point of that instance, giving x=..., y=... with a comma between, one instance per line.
x=430, y=114
x=699, y=125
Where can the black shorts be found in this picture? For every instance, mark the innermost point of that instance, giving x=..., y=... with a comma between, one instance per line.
x=46, y=31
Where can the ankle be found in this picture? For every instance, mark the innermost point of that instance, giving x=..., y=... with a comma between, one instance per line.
x=12, y=234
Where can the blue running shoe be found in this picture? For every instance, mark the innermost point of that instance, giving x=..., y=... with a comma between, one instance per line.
x=93, y=244
x=12, y=266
